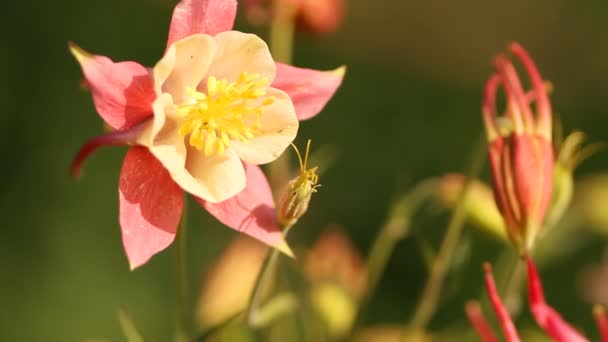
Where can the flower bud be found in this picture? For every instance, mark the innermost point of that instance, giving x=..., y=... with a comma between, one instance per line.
x=591, y=199
x=318, y=17
x=338, y=280
x=571, y=152
x=520, y=149
x=479, y=205
x=295, y=198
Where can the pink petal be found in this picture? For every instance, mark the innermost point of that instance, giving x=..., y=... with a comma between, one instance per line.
x=252, y=211
x=479, y=322
x=546, y=317
x=502, y=314
x=201, y=16
x=150, y=206
x=122, y=92
x=310, y=90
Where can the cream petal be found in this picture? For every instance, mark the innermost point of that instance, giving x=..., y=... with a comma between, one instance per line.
x=214, y=179
x=163, y=126
x=184, y=65
x=218, y=177
x=279, y=126
x=238, y=52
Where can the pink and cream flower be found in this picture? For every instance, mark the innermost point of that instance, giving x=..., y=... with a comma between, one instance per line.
x=214, y=107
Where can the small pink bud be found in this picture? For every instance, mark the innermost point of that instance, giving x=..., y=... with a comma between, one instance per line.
x=318, y=17
x=520, y=148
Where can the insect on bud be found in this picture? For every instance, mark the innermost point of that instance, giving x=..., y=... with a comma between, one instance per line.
x=295, y=198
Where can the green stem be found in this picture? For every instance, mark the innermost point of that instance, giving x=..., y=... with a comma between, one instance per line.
x=514, y=287
x=429, y=298
x=252, y=314
x=396, y=227
x=281, y=46
x=183, y=333
x=282, y=30
x=277, y=306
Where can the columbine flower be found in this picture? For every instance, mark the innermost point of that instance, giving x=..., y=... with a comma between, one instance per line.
x=546, y=317
x=521, y=155
x=211, y=109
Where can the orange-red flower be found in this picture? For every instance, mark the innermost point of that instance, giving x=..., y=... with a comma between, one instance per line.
x=214, y=107
x=520, y=150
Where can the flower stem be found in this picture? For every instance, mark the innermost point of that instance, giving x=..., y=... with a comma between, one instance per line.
x=183, y=332
x=281, y=45
x=395, y=228
x=429, y=298
x=281, y=30
x=252, y=314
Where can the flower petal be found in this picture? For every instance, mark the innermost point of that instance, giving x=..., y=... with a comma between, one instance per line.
x=122, y=92
x=220, y=176
x=201, y=16
x=546, y=317
x=309, y=89
x=508, y=328
x=251, y=211
x=278, y=128
x=479, y=322
x=183, y=66
x=239, y=52
x=150, y=206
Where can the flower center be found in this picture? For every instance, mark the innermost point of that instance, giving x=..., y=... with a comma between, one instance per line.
x=229, y=111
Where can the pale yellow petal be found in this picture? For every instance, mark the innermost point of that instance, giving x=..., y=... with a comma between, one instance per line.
x=220, y=176
x=184, y=65
x=278, y=128
x=239, y=52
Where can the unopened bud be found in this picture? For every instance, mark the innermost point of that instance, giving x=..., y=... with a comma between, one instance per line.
x=319, y=17
x=572, y=152
x=335, y=259
x=338, y=278
x=479, y=206
x=295, y=198
x=591, y=199
x=335, y=306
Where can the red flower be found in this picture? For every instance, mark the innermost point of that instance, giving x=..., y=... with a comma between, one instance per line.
x=520, y=151
x=147, y=106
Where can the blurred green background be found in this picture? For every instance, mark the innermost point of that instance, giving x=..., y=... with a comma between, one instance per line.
x=409, y=108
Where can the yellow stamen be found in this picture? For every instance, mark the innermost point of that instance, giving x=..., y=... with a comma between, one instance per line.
x=228, y=111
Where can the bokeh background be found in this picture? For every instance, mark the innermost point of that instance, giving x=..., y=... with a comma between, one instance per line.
x=409, y=108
